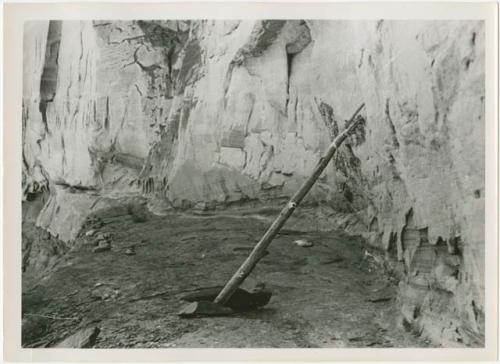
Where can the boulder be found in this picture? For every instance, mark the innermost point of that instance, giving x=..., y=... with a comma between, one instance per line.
x=82, y=339
x=102, y=247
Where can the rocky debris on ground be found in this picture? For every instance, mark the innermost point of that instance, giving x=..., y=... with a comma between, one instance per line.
x=101, y=242
x=303, y=243
x=103, y=292
x=33, y=327
x=102, y=246
x=103, y=236
x=130, y=251
x=72, y=293
x=331, y=300
x=94, y=223
x=85, y=338
x=90, y=242
x=384, y=294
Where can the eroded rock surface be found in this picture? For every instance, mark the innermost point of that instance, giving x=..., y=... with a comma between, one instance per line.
x=209, y=114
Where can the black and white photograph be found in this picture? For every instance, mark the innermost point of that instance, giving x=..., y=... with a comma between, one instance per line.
x=253, y=183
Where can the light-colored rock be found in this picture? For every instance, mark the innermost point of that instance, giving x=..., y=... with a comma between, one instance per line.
x=130, y=251
x=104, y=292
x=82, y=339
x=102, y=236
x=102, y=246
x=303, y=243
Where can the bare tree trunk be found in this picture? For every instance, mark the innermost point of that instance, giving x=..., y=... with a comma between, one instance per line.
x=259, y=249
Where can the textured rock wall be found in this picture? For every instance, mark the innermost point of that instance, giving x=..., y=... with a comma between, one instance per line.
x=206, y=114
x=95, y=94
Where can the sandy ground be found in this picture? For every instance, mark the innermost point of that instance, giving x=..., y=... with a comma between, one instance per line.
x=327, y=295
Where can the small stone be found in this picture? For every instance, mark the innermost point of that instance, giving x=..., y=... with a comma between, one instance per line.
x=104, y=292
x=44, y=235
x=130, y=251
x=90, y=233
x=102, y=247
x=303, y=243
x=201, y=206
x=90, y=242
x=384, y=294
x=85, y=338
x=72, y=293
x=102, y=236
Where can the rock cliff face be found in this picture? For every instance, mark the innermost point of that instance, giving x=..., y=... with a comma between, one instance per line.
x=205, y=114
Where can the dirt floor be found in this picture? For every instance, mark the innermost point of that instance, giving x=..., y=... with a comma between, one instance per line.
x=327, y=295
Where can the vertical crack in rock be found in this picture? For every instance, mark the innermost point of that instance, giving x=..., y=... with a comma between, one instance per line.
x=170, y=63
x=68, y=92
x=190, y=66
x=81, y=53
x=302, y=40
x=160, y=157
x=138, y=90
x=360, y=63
x=395, y=141
x=63, y=154
x=289, y=59
x=373, y=226
x=106, y=115
x=48, y=83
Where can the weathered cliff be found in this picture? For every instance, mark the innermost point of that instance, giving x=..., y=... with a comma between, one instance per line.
x=206, y=114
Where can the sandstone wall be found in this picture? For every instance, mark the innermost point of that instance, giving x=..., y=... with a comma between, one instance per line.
x=205, y=114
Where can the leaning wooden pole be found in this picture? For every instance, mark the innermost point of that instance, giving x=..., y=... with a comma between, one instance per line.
x=259, y=249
